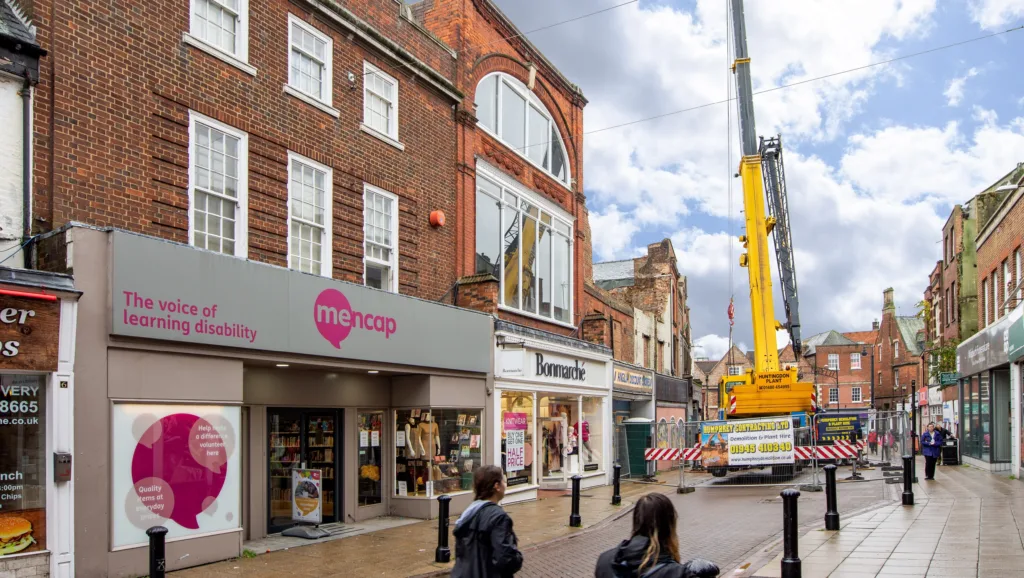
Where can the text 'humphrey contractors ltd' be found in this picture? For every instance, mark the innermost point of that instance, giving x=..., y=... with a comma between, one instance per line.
x=335, y=318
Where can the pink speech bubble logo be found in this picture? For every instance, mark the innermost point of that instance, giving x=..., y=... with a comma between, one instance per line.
x=167, y=470
x=332, y=314
x=335, y=318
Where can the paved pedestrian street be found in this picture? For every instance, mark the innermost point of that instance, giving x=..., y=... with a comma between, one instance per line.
x=965, y=523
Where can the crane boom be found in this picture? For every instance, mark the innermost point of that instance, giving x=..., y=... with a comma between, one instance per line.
x=778, y=208
x=762, y=300
x=768, y=388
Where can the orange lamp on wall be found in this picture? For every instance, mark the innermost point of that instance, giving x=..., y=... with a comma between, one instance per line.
x=437, y=218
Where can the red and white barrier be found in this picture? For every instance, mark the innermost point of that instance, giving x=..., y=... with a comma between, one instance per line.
x=837, y=452
x=672, y=454
x=861, y=444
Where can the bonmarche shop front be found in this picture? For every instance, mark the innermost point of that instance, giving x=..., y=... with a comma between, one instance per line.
x=207, y=379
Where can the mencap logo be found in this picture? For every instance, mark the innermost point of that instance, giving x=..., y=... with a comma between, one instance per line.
x=335, y=318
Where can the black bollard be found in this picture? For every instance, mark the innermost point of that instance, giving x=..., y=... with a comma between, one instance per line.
x=790, y=534
x=157, y=557
x=700, y=568
x=831, y=500
x=443, y=554
x=574, y=518
x=616, y=498
x=908, y=481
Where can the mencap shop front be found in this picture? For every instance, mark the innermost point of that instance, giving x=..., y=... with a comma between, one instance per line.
x=552, y=411
x=224, y=388
x=986, y=420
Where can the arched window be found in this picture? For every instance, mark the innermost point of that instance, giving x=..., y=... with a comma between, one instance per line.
x=510, y=111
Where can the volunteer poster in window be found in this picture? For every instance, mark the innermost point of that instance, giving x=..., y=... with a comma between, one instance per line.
x=176, y=466
x=748, y=442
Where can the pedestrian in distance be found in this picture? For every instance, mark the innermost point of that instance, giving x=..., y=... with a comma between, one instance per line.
x=931, y=446
x=652, y=551
x=873, y=441
x=485, y=545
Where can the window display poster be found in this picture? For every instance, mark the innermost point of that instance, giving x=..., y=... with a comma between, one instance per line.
x=364, y=438
x=176, y=466
x=515, y=441
x=375, y=438
x=22, y=464
x=306, y=496
x=748, y=442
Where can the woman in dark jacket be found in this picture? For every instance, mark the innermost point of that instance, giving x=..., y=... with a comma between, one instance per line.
x=485, y=545
x=653, y=549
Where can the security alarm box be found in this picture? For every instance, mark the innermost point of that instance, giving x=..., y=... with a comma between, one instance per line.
x=61, y=467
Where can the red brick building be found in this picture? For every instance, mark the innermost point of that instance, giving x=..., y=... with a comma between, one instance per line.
x=999, y=255
x=312, y=102
x=898, y=351
x=840, y=370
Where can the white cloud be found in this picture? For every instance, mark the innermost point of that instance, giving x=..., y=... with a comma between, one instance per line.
x=611, y=231
x=955, y=89
x=984, y=115
x=713, y=347
x=991, y=14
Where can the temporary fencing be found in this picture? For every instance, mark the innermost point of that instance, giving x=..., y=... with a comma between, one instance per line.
x=755, y=452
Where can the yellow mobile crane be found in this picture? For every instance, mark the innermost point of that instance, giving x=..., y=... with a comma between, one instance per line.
x=767, y=390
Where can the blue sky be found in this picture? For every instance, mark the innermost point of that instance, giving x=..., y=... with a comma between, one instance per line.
x=874, y=158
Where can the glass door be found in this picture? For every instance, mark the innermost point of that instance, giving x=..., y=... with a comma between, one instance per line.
x=321, y=454
x=284, y=453
x=299, y=438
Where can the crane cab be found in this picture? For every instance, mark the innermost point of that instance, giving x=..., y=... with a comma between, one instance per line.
x=764, y=393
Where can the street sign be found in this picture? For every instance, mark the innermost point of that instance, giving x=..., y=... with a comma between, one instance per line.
x=948, y=378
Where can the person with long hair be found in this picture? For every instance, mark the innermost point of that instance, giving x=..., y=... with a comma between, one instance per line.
x=652, y=550
x=485, y=545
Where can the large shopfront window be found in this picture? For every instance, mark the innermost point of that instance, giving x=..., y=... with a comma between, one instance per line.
x=23, y=463
x=177, y=466
x=517, y=441
x=549, y=437
x=437, y=451
x=986, y=428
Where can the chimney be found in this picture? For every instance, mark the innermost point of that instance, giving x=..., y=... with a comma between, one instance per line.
x=888, y=305
x=874, y=325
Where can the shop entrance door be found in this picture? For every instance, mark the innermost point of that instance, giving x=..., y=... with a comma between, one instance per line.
x=302, y=438
x=554, y=463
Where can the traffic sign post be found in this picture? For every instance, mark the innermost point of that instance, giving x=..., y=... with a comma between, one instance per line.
x=948, y=378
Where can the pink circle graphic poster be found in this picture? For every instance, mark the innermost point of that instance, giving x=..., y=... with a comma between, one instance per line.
x=178, y=470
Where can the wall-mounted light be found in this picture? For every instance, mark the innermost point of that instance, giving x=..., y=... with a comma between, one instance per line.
x=373, y=372
x=282, y=365
x=437, y=218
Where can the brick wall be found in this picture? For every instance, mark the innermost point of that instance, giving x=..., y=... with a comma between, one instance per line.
x=37, y=566
x=487, y=42
x=609, y=322
x=112, y=113
x=998, y=243
x=848, y=377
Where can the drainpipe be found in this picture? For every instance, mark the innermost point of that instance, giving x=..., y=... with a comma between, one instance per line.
x=26, y=171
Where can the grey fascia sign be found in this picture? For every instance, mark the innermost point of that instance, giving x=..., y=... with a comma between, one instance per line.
x=164, y=290
x=986, y=349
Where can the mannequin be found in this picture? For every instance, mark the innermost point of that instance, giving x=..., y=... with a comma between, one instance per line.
x=584, y=436
x=570, y=446
x=410, y=448
x=428, y=434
